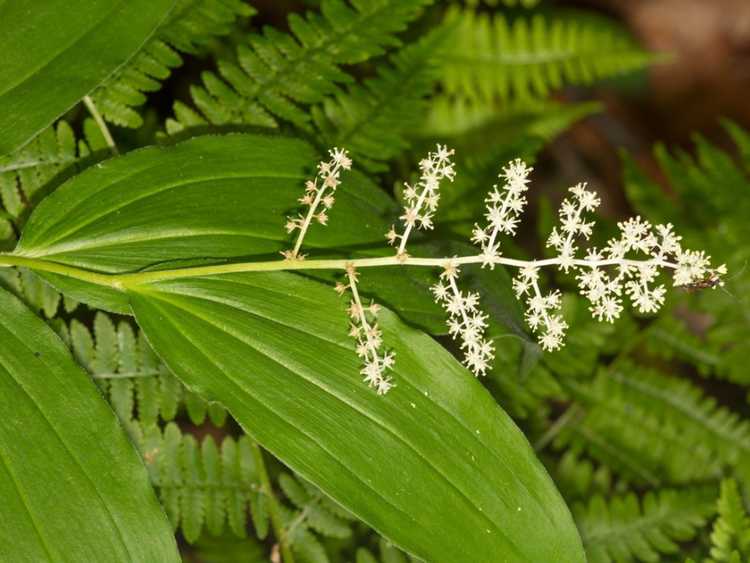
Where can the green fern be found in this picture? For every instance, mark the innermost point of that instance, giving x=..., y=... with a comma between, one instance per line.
x=188, y=28
x=315, y=515
x=730, y=538
x=623, y=529
x=137, y=384
x=36, y=292
x=371, y=119
x=28, y=175
x=32, y=172
x=204, y=485
x=494, y=58
x=579, y=478
x=277, y=74
x=654, y=428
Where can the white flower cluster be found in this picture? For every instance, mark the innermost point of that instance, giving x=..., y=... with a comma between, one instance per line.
x=572, y=224
x=317, y=192
x=466, y=323
x=364, y=328
x=504, y=205
x=604, y=276
x=627, y=266
x=542, y=314
x=422, y=199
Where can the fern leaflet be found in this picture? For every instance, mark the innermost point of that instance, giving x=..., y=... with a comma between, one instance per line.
x=712, y=205
x=371, y=119
x=276, y=74
x=189, y=27
x=494, y=58
x=137, y=384
x=730, y=537
x=624, y=529
x=204, y=484
x=655, y=428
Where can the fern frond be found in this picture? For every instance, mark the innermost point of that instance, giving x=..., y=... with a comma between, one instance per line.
x=314, y=510
x=492, y=57
x=372, y=119
x=30, y=173
x=188, y=28
x=457, y=116
x=624, y=529
x=653, y=428
x=577, y=478
x=35, y=292
x=276, y=74
x=730, y=538
x=202, y=485
x=137, y=384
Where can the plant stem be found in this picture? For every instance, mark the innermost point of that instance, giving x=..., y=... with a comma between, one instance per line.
x=89, y=103
x=273, y=505
x=123, y=281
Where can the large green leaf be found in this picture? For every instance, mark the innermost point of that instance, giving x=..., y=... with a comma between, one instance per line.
x=55, y=52
x=435, y=464
x=212, y=199
x=215, y=199
x=72, y=487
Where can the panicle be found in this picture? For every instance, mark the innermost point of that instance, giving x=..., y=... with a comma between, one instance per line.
x=318, y=198
x=542, y=314
x=504, y=207
x=466, y=323
x=422, y=198
x=364, y=329
x=572, y=224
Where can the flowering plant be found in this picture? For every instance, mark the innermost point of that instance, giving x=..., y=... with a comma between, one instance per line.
x=628, y=266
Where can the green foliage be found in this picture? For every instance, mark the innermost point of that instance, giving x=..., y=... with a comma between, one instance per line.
x=730, y=537
x=387, y=554
x=288, y=329
x=276, y=75
x=201, y=484
x=55, y=54
x=438, y=467
x=372, y=119
x=492, y=57
x=190, y=26
x=35, y=292
x=75, y=441
x=313, y=514
x=578, y=478
x=655, y=428
x=29, y=174
x=623, y=528
x=130, y=375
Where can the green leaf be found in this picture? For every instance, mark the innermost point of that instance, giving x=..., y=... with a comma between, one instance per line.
x=435, y=465
x=221, y=197
x=56, y=52
x=73, y=487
